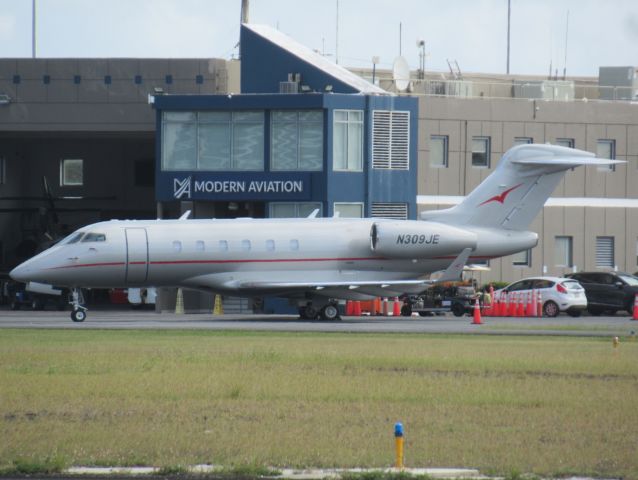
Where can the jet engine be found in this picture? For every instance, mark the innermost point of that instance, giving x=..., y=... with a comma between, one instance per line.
x=417, y=239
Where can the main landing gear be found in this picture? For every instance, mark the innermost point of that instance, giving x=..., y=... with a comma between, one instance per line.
x=78, y=314
x=312, y=312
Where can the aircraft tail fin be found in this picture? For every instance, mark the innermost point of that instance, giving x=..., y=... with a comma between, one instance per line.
x=517, y=189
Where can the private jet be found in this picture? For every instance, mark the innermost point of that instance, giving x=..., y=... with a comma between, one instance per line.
x=313, y=261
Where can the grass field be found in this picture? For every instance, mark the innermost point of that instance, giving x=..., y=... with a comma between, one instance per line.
x=543, y=405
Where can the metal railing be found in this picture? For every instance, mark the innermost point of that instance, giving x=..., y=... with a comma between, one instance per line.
x=550, y=90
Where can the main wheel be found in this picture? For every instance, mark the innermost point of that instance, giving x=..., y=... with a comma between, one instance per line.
x=550, y=309
x=329, y=312
x=310, y=312
x=458, y=310
x=78, y=315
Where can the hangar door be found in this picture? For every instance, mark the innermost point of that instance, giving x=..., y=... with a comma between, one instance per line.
x=136, y=255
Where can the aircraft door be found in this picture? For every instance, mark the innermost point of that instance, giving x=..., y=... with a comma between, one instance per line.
x=136, y=255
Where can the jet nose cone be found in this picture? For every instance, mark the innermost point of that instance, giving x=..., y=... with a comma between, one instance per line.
x=20, y=273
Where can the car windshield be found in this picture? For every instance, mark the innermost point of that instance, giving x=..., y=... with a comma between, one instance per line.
x=630, y=279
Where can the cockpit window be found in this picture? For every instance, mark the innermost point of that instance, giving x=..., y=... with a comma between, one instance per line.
x=94, y=237
x=73, y=238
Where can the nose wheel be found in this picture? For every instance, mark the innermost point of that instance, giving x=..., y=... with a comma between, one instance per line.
x=78, y=314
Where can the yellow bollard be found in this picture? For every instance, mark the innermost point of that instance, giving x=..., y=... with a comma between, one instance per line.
x=616, y=342
x=179, y=302
x=218, y=309
x=398, y=440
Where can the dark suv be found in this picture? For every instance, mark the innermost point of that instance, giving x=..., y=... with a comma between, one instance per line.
x=608, y=291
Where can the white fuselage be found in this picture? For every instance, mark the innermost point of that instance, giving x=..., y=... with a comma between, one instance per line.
x=239, y=255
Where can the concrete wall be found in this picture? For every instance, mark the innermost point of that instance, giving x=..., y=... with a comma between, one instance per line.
x=93, y=109
x=545, y=121
x=97, y=94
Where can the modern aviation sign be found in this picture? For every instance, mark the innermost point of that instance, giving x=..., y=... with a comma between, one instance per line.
x=268, y=187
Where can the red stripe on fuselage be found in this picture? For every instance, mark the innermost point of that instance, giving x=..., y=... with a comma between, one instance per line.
x=203, y=262
x=82, y=265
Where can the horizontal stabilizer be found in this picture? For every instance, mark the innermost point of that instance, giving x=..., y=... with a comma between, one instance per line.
x=568, y=162
x=515, y=192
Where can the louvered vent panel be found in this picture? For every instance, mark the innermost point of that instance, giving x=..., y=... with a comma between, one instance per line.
x=398, y=211
x=391, y=139
x=604, y=251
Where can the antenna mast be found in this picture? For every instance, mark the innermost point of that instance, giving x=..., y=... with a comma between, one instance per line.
x=33, y=30
x=509, y=17
x=566, y=32
x=337, y=37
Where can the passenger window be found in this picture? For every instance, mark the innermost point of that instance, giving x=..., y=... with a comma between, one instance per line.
x=543, y=284
x=223, y=245
x=294, y=244
x=270, y=245
x=94, y=237
x=245, y=245
x=177, y=246
x=199, y=246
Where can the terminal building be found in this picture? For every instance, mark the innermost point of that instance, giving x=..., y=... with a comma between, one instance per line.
x=285, y=132
x=303, y=135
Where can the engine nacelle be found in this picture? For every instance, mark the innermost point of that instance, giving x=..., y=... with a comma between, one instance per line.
x=417, y=239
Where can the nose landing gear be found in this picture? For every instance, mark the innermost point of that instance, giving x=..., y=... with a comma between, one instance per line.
x=78, y=314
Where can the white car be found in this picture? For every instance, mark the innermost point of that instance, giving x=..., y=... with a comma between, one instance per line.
x=558, y=294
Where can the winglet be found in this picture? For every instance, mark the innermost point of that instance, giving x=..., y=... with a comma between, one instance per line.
x=455, y=270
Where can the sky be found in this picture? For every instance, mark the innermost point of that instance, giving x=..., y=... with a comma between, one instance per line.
x=471, y=32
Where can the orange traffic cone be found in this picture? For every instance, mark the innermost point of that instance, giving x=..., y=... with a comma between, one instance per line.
x=492, y=301
x=532, y=310
x=349, y=309
x=385, y=307
x=356, y=311
x=396, y=307
x=521, y=304
x=377, y=306
x=477, y=313
x=506, y=305
x=539, y=305
x=513, y=305
x=635, y=315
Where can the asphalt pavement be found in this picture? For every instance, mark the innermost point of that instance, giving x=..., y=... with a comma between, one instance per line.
x=619, y=325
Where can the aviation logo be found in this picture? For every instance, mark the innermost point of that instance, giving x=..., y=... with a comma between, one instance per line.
x=500, y=198
x=182, y=188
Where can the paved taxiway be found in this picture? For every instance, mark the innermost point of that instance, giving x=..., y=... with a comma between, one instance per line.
x=127, y=319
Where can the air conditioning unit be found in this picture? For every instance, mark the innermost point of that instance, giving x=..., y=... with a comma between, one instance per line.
x=288, y=87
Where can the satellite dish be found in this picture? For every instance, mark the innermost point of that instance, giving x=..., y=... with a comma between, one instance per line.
x=401, y=73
